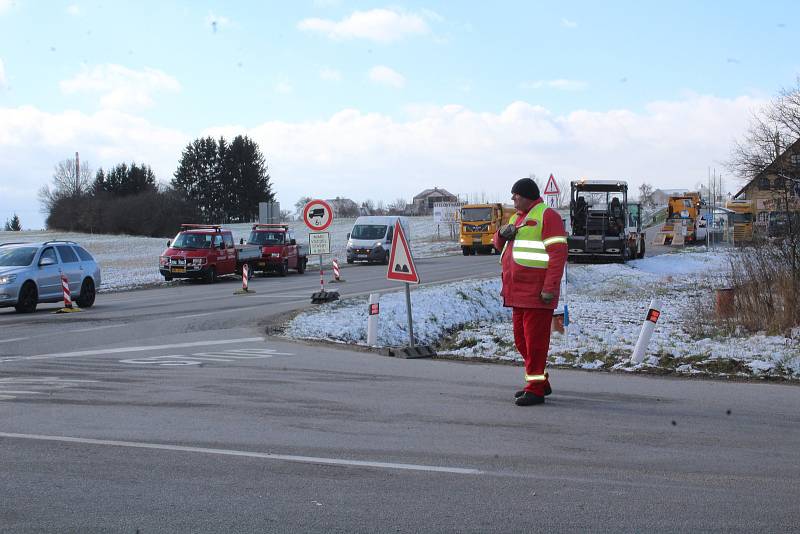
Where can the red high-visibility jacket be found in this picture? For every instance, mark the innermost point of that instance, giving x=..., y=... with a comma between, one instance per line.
x=523, y=285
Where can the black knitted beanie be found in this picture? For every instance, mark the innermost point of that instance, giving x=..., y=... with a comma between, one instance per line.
x=527, y=188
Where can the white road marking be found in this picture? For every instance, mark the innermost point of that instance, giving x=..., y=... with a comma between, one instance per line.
x=3, y=391
x=120, y=350
x=220, y=356
x=247, y=454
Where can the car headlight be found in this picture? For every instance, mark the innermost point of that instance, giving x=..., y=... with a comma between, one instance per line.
x=7, y=279
x=378, y=244
x=198, y=261
x=163, y=260
x=276, y=254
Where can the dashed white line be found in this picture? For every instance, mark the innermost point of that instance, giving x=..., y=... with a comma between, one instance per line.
x=248, y=454
x=119, y=350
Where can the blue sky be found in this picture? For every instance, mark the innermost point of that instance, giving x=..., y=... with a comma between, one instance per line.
x=382, y=100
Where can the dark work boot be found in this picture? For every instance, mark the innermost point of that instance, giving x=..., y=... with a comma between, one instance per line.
x=547, y=391
x=529, y=399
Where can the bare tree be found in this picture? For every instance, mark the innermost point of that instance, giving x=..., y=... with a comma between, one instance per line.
x=68, y=182
x=397, y=206
x=771, y=131
x=563, y=192
x=646, y=196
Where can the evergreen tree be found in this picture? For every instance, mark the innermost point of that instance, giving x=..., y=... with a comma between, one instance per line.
x=13, y=225
x=122, y=180
x=195, y=178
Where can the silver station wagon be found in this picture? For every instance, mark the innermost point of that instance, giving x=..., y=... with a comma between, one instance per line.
x=30, y=273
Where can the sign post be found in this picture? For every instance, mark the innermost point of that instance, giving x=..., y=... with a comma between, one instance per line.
x=318, y=215
x=401, y=268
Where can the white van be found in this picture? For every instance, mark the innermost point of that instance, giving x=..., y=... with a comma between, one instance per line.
x=370, y=240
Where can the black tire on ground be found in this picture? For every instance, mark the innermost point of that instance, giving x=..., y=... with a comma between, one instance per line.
x=168, y=278
x=301, y=265
x=349, y=260
x=385, y=258
x=28, y=298
x=465, y=251
x=211, y=275
x=284, y=268
x=88, y=293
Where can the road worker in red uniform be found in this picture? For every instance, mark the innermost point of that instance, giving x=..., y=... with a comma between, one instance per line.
x=533, y=249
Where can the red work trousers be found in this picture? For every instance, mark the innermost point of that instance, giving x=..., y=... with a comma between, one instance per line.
x=532, y=338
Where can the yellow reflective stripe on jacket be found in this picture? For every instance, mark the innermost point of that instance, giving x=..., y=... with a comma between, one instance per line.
x=557, y=239
x=535, y=378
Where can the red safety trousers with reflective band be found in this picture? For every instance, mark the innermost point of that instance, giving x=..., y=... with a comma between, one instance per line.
x=532, y=338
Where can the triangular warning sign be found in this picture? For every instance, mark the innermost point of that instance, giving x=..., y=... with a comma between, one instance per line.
x=401, y=264
x=552, y=187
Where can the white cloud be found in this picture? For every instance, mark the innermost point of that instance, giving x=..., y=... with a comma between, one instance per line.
x=74, y=10
x=566, y=23
x=330, y=75
x=360, y=155
x=384, y=75
x=3, y=81
x=381, y=25
x=6, y=5
x=560, y=84
x=120, y=87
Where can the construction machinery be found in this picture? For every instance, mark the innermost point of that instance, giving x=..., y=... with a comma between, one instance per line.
x=604, y=226
x=684, y=223
x=479, y=222
x=744, y=215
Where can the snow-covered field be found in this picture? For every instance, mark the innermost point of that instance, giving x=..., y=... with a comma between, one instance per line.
x=128, y=262
x=607, y=305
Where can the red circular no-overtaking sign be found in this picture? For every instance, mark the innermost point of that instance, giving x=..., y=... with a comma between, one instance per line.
x=317, y=215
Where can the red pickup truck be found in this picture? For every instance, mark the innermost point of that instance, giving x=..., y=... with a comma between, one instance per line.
x=206, y=252
x=279, y=249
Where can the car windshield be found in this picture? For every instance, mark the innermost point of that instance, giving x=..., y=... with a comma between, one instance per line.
x=476, y=214
x=16, y=256
x=368, y=231
x=190, y=240
x=742, y=217
x=266, y=238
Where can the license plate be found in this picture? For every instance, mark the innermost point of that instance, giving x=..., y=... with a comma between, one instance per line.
x=179, y=269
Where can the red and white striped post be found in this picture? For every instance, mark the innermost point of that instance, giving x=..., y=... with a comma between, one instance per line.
x=245, y=275
x=336, y=273
x=67, y=294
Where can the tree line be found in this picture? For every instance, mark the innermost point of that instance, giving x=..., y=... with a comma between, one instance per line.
x=216, y=182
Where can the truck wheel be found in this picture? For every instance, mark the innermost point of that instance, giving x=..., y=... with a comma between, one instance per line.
x=284, y=268
x=211, y=275
x=465, y=251
x=301, y=265
x=385, y=260
x=168, y=278
x=28, y=298
x=88, y=293
x=349, y=260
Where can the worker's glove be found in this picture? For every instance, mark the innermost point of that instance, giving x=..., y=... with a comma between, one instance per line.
x=546, y=297
x=508, y=231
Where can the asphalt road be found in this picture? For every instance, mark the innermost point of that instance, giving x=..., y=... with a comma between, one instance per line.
x=169, y=410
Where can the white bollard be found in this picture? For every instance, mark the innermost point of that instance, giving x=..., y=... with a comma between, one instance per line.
x=372, y=321
x=647, y=331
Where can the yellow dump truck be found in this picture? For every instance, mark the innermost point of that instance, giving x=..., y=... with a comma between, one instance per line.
x=479, y=222
x=684, y=223
x=744, y=215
